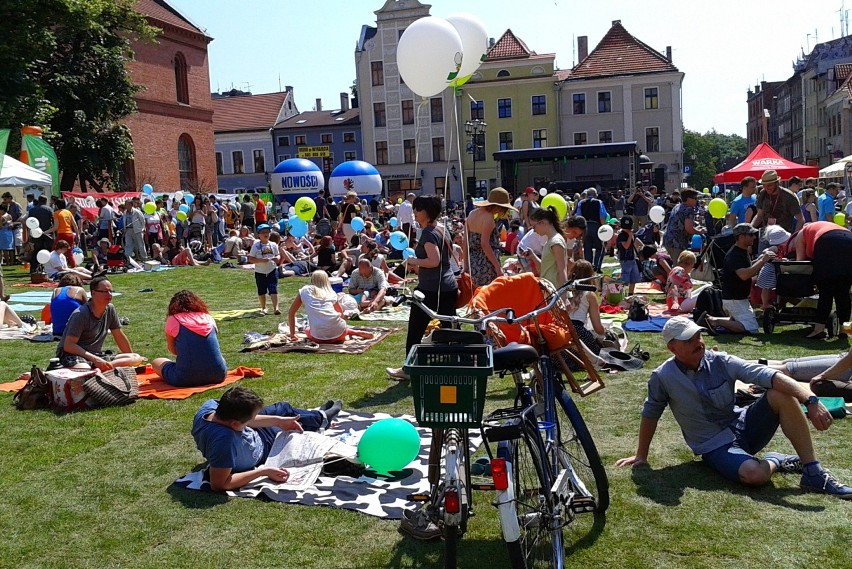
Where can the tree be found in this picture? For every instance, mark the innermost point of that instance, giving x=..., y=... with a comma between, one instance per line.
x=74, y=82
x=709, y=154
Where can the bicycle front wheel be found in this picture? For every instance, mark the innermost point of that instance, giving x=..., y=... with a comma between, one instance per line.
x=540, y=544
x=578, y=452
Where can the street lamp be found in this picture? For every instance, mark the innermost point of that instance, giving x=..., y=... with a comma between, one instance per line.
x=474, y=129
x=829, y=147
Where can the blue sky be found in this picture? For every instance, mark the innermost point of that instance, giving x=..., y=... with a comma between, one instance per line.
x=724, y=47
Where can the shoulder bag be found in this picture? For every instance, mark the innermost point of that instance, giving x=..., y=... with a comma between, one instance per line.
x=36, y=394
x=117, y=386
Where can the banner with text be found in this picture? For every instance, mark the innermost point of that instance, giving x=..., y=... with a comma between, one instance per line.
x=86, y=200
x=42, y=157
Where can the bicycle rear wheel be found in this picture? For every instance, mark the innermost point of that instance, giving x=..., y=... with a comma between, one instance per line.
x=577, y=450
x=455, y=481
x=540, y=544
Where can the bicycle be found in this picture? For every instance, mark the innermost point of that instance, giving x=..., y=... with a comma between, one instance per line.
x=544, y=461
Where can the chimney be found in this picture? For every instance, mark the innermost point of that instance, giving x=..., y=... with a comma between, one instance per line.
x=616, y=22
x=669, y=53
x=289, y=88
x=491, y=42
x=582, y=47
x=319, y=104
x=344, y=101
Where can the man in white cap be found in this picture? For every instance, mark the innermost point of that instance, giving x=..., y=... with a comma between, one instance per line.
x=699, y=387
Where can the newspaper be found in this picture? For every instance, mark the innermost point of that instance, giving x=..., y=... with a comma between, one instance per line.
x=302, y=454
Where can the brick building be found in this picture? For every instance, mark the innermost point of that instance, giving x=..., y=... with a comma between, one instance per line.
x=173, y=128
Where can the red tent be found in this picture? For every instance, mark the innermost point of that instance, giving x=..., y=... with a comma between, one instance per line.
x=763, y=158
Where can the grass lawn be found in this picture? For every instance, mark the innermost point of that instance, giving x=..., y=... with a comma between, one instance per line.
x=94, y=489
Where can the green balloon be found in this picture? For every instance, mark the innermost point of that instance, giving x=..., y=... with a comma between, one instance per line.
x=389, y=444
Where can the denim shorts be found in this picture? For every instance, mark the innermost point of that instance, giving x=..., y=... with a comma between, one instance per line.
x=753, y=429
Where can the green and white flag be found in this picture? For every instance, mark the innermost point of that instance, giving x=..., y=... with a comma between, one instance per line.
x=4, y=140
x=42, y=157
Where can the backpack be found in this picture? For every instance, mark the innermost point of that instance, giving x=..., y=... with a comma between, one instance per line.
x=638, y=310
x=323, y=227
x=709, y=301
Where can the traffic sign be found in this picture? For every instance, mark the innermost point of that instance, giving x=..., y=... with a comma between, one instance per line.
x=687, y=169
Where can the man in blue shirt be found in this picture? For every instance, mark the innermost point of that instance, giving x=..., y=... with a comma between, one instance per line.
x=746, y=198
x=235, y=435
x=825, y=203
x=699, y=387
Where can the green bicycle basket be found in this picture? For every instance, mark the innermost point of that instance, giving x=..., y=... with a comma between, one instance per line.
x=448, y=383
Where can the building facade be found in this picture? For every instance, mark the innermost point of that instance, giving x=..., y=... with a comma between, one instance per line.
x=412, y=141
x=761, y=126
x=622, y=91
x=172, y=130
x=245, y=151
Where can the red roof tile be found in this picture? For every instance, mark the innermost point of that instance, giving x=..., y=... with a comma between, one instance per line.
x=247, y=112
x=842, y=71
x=619, y=53
x=509, y=46
x=160, y=10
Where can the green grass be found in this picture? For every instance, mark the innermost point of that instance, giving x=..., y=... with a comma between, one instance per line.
x=94, y=489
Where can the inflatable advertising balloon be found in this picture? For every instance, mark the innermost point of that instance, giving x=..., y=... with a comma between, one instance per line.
x=297, y=176
x=355, y=176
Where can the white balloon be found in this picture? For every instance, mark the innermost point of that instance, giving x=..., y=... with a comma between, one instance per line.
x=292, y=210
x=429, y=55
x=43, y=256
x=36, y=232
x=605, y=233
x=657, y=214
x=178, y=196
x=474, y=39
x=32, y=223
x=79, y=258
x=542, y=192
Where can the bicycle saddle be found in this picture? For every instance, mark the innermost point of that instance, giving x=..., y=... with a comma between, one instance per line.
x=514, y=356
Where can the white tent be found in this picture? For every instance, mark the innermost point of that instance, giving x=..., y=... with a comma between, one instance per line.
x=836, y=170
x=16, y=173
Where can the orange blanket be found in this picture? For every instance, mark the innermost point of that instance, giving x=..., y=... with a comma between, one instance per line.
x=152, y=387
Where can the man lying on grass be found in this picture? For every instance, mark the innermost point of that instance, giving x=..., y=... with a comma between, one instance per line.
x=699, y=387
x=235, y=435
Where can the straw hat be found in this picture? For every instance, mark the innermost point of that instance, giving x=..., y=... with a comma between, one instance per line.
x=497, y=196
x=770, y=177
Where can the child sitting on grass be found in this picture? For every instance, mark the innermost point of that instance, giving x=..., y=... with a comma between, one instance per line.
x=679, y=283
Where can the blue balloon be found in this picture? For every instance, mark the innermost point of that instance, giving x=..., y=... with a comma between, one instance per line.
x=76, y=250
x=697, y=242
x=298, y=227
x=148, y=188
x=393, y=222
x=398, y=240
x=357, y=223
x=282, y=226
x=408, y=252
x=184, y=208
x=189, y=198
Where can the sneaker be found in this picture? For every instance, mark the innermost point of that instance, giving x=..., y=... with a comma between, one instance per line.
x=397, y=374
x=342, y=466
x=262, y=311
x=825, y=483
x=785, y=463
x=417, y=524
x=704, y=320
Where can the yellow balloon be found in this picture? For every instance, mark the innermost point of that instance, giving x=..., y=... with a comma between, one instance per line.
x=718, y=208
x=181, y=215
x=557, y=202
x=840, y=219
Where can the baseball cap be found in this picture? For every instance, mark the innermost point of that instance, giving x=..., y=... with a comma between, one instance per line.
x=530, y=190
x=263, y=227
x=680, y=328
x=744, y=229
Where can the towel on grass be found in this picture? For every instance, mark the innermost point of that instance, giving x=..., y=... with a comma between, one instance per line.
x=653, y=324
x=388, y=314
x=236, y=314
x=47, y=284
x=281, y=343
x=380, y=496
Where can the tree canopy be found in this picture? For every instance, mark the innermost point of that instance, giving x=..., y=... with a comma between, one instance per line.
x=65, y=69
x=711, y=153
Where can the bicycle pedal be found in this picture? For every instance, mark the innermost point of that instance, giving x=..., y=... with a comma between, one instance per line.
x=417, y=497
x=583, y=505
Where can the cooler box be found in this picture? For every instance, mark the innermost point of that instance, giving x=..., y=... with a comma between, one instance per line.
x=151, y=265
x=336, y=284
x=67, y=387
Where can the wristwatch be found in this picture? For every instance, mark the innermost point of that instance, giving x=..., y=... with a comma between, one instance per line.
x=811, y=400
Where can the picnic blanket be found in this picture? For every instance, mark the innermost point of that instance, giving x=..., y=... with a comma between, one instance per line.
x=281, y=343
x=45, y=334
x=652, y=324
x=648, y=289
x=236, y=314
x=388, y=313
x=33, y=300
x=384, y=497
x=46, y=284
x=152, y=387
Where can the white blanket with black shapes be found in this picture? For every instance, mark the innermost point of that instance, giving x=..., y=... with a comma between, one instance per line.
x=380, y=496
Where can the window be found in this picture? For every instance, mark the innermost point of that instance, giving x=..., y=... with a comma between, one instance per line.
x=327, y=138
x=377, y=72
x=503, y=73
x=604, y=136
x=301, y=140
x=237, y=159
x=504, y=108
x=477, y=110
x=220, y=169
x=604, y=102
x=438, y=149
x=259, y=161
x=379, y=118
x=652, y=139
x=349, y=155
x=348, y=137
x=505, y=140
x=283, y=141
x=381, y=152
x=652, y=101
x=440, y=186
x=328, y=163
x=181, y=85
x=186, y=162
x=540, y=138
x=539, y=105
x=580, y=138
x=283, y=157
x=408, y=111
x=436, y=107
x=409, y=151
x=579, y=103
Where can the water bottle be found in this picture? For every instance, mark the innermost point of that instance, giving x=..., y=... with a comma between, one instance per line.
x=54, y=364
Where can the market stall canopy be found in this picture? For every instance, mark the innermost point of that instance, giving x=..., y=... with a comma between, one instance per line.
x=16, y=173
x=763, y=158
x=836, y=170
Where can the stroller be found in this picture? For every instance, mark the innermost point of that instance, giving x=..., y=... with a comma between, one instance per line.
x=794, y=281
x=116, y=259
x=195, y=231
x=708, y=266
